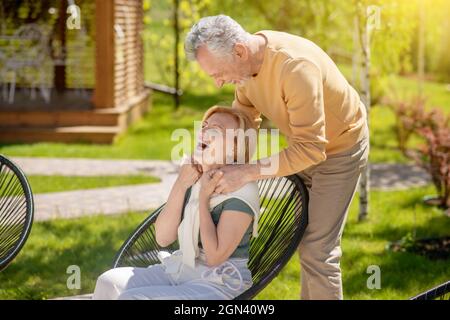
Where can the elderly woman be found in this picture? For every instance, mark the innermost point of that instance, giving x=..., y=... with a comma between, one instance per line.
x=214, y=266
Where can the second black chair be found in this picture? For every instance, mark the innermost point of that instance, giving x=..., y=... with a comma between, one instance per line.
x=16, y=211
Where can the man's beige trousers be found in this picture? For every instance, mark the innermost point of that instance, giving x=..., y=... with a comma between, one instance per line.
x=331, y=186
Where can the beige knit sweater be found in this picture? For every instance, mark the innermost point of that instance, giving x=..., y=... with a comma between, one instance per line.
x=301, y=90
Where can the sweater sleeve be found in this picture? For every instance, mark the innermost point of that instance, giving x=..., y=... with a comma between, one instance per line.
x=242, y=103
x=302, y=91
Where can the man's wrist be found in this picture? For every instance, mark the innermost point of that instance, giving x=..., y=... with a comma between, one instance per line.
x=252, y=172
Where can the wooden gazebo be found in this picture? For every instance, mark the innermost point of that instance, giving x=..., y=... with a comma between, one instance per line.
x=97, y=112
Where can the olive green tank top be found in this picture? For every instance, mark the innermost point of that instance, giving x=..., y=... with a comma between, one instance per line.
x=235, y=204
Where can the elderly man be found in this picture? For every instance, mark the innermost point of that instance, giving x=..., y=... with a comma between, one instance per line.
x=296, y=85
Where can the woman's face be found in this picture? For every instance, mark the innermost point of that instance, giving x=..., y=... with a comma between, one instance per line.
x=216, y=143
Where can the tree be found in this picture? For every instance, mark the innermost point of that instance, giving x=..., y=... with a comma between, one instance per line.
x=167, y=23
x=363, y=30
x=176, y=29
x=421, y=53
x=383, y=52
x=321, y=21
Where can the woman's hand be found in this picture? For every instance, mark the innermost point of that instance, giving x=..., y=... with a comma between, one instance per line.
x=208, y=183
x=167, y=222
x=189, y=174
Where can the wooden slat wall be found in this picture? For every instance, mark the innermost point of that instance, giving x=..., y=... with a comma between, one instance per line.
x=128, y=67
x=119, y=53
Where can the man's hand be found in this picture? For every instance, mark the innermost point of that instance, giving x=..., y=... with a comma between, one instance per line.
x=234, y=177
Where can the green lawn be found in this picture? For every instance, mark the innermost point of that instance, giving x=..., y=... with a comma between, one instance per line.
x=382, y=136
x=43, y=184
x=39, y=272
x=403, y=275
x=90, y=242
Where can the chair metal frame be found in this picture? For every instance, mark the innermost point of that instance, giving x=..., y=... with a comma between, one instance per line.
x=440, y=292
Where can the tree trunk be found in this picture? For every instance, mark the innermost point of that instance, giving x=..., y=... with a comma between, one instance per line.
x=365, y=175
x=176, y=53
x=59, y=80
x=421, y=54
x=356, y=56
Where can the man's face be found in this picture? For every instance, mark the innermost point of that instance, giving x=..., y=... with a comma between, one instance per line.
x=235, y=70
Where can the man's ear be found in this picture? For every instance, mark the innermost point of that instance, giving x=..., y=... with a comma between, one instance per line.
x=241, y=51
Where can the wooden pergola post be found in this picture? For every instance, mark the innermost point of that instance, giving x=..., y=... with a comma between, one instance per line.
x=104, y=92
x=60, y=69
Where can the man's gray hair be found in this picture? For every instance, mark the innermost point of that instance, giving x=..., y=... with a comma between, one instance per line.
x=219, y=34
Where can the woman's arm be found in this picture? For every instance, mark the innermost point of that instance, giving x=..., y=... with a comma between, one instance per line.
x=221, y=241
x=167, y=222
